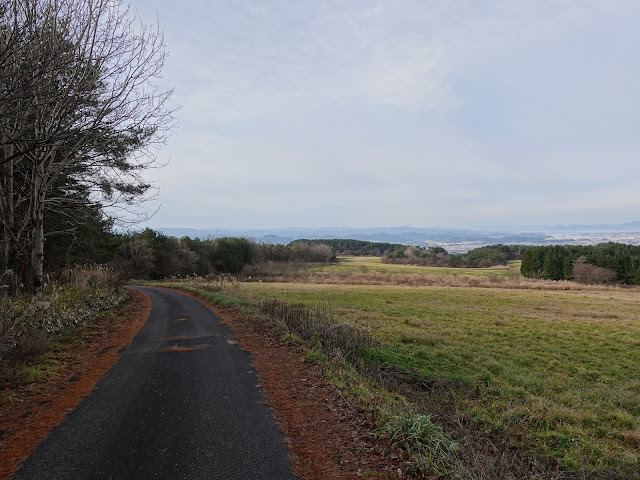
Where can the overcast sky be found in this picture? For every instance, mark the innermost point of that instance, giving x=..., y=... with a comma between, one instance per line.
x=400, y=112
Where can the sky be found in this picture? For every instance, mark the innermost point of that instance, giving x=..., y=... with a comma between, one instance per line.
x=364, y=113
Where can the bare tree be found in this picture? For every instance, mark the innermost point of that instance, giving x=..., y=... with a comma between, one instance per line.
x=584, y=272
x=87, y=110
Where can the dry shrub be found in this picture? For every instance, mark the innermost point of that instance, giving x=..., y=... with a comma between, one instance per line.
x=31, y=343
x=28, y=323
x=587, y=273
x=632, y=438
x=93, y=276
x=320, y=328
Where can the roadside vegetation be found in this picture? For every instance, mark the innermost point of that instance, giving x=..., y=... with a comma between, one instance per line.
x=33, y=329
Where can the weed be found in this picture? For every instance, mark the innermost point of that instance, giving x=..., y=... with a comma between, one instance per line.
x=429, y=449
x=39, y=371
x=318, y=327
x=31, y=326
x=313, y=356
x=291, y=339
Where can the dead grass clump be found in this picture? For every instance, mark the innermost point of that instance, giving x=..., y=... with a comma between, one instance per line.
x=632, y=437
x=31, y=343
x=600, y=315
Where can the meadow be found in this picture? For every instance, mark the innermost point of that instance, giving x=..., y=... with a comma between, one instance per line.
x=375, y=265
x=556, y=369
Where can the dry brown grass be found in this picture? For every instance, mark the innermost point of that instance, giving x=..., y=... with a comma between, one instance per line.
x=453, y=281
x=632, y=438
x=319, y=327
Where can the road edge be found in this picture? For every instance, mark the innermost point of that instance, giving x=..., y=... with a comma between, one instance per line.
x=46, y=405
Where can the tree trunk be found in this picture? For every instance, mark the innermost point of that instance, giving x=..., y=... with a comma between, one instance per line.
x=12, y=261
x=7, y=212
x=38, y=243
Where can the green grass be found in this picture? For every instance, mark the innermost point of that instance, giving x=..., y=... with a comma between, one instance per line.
x=215, y=296
x=558, y=370
x=40, y=370
x=375, y=265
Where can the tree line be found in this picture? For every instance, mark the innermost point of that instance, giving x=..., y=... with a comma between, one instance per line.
x=150, y=254
x=603, y=263
x=347, y=246
x=482, y=257
x=80, y=113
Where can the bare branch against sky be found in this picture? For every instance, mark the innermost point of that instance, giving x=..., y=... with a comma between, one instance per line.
x=403, y=112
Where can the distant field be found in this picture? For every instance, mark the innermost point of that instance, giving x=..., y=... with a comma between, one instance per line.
x=375, y=265
x=559, y=370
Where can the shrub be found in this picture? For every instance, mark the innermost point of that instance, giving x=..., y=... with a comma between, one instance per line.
x=428, y=447
x=135, y=259
x=319, y=327
x=586, y=273
x=27, y=324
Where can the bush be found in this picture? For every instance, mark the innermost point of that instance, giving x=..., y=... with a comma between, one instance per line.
x=27, y=324
x=428, y=447
x=586, y=273
x=319, y=327
x=135, y=259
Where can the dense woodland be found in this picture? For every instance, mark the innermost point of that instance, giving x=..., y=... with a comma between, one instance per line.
x=603, y=263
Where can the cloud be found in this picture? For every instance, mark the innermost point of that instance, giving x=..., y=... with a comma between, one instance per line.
x=402, y=111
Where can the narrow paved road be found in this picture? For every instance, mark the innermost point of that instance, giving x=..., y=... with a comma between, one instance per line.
x=181, y=403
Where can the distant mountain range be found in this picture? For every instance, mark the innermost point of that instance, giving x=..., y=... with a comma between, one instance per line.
x=455, y=240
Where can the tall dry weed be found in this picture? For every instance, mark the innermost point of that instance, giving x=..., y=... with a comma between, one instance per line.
x=319, y=327
x=27, y=322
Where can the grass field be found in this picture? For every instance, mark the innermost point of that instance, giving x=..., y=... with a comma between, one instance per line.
x=557, y=370
x=374, y=265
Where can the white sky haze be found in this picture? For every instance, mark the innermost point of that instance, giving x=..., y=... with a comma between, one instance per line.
x=401, y=112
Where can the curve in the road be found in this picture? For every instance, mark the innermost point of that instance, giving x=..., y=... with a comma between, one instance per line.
x=182, y=403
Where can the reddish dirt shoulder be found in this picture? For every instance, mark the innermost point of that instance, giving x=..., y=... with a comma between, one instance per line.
x=29, y=412
x=327, y=437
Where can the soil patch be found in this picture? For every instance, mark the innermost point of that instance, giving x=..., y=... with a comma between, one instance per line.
x=29, y=412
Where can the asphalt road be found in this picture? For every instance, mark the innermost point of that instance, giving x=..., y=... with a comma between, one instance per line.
x=181, y=403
